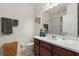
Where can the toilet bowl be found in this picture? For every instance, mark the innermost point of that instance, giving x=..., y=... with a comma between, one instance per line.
x=27, y=49
x=29, y=46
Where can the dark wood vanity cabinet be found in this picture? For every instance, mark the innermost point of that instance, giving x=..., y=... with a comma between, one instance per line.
x=42, y=48
x=36, y=50
x=58, y=51
x=44, y=52
x=36, y=47
x=45, y=49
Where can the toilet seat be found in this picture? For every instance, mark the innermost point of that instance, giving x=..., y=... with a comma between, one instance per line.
x=30, y=44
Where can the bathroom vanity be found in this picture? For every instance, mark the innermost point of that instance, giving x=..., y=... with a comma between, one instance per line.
x=51, y=47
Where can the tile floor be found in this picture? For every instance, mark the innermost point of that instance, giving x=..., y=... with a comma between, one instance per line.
x=25, y=52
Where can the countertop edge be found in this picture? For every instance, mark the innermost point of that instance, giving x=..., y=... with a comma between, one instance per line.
x=68, y=48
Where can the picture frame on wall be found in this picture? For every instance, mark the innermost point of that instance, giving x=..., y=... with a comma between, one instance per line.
x=15, y=22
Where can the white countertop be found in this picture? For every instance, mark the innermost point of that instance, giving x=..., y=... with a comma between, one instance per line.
x=72, y=45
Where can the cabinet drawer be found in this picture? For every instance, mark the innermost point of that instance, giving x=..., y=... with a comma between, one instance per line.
x=62, y=52
x=46, y=45
x=44, y=52
x=36, y=41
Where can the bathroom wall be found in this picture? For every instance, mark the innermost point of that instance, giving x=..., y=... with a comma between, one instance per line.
x=25, y=14
x=46, y=19
x=39, y=8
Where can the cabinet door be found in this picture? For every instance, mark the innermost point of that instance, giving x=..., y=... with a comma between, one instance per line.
x=45, y=45
x=76, y=54
x=10, y=49
x=36, y=49
x=44, y=51
x=62, y=52
x=36, y=41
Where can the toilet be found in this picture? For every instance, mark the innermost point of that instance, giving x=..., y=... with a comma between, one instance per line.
x=28, y=48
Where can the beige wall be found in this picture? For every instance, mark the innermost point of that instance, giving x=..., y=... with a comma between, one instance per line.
x=25, y=14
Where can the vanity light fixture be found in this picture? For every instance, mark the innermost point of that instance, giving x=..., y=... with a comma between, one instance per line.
x=51, y=5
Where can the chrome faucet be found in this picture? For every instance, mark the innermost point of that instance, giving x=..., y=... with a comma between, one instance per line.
x=64, y=34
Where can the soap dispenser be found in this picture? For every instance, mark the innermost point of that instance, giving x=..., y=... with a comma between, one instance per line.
x=42, y=33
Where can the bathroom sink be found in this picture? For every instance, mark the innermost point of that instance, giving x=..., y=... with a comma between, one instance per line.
x=60, y=40
x=65, y=41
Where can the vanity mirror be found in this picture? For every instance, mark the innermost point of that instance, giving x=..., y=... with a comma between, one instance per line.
x=62, y=19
